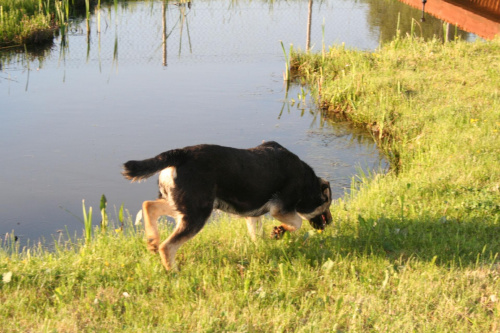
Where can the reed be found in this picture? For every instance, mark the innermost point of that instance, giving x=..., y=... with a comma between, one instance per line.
x=98, y=11
x=104, y=215
x=286, y=74
x=87, y=223
x=87, y=16
x=121, y=217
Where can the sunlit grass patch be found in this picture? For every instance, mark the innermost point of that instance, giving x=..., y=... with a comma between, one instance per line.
x=434, y=109
x=344, y=278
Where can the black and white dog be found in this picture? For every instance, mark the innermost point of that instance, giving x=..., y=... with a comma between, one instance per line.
x=251, y=182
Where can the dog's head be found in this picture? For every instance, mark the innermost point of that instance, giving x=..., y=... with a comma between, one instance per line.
x=320, y=217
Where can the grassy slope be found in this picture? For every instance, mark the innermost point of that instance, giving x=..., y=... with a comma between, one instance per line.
x=436, y=110
x=412, y=252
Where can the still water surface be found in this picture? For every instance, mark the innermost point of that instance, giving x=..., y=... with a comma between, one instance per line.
x=72, y=114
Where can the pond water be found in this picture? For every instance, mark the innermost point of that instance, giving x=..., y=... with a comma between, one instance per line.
x=71, y=114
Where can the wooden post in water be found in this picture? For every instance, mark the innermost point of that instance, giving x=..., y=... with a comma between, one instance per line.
x=309, y=19
x=164, y=27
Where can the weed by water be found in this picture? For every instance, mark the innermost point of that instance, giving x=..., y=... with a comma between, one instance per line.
x=104, y=214
x=87, y=222
x=286, y=74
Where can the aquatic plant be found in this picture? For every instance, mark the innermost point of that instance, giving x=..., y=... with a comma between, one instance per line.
x=87, y=222
x=87, y=16
x=120, y=217
x=286, y=74
x=104, y=214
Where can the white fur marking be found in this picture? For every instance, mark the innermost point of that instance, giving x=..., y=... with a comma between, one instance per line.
x=167, y=184
x=168, y=175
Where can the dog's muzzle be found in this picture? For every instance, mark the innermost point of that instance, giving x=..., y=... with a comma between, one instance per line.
x=321, y=221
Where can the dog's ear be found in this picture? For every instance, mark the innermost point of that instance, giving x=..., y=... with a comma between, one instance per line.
x=326, y=192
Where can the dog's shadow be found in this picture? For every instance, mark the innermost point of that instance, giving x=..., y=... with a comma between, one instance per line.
x=447, y=243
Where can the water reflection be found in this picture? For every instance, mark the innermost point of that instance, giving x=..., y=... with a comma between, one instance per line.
x=481, y=17
x=383, y=20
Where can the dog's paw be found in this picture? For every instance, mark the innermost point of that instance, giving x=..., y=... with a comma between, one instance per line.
x=152, y=245
x=278, y=232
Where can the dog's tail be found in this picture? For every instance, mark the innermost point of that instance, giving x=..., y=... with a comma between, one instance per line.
x=139, y=170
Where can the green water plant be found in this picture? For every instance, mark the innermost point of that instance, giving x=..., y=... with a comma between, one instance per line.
x=104, y=214
x=121, y=217
x=286, y=73
x=87, y=222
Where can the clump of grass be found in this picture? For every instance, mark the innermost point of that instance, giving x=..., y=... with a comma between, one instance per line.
x=17, y=28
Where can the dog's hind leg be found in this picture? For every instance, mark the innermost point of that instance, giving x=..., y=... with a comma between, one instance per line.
x=152, y=210
x=187, y=227
x=254, y=225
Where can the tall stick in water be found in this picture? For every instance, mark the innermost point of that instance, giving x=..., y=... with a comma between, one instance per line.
x=164, y=28
x=87, y=12
x=309, y=19
x=98, y=10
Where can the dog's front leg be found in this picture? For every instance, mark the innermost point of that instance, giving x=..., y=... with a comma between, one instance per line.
x=152, y=210
x=290, y=222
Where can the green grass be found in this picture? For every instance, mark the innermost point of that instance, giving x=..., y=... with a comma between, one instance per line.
x=435, y=110
x=416, y=249
x=339, y=279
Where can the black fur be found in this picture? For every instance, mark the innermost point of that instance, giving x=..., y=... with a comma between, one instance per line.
x=239, y=181
x=138, y=170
